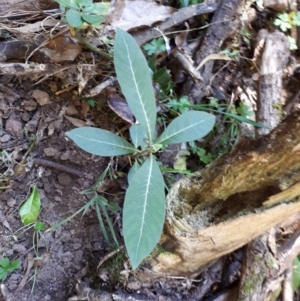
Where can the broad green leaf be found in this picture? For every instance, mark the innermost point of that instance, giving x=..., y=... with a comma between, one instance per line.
x=30, y=209
x=3, y=274
x=135, y=81
x=68, y=3
x=92, y=19
x=138, y=136
x=296, y=274
x=74, y=18
x=4, y=262
x=144, y=211
x=13, y=265
x=100, y=142
x=101, y=8
x=187, y=127
x=134, y=168
x=85, y=2
x=162, y=75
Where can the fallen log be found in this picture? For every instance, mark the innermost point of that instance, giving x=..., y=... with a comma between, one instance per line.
x=221, y=208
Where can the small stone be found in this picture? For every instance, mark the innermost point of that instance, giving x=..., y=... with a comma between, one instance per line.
x=11, y=202
x=41, y=97
x=50, y=152
x=53, y=86
x=5, y=138
x=14, y=127
x=64, y=179
x=19, y=248
x=25, y=116
x=65, y=156
x=29, y=105
x=58, y=199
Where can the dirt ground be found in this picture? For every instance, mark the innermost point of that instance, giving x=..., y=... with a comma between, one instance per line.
x=35, y=114
x=72, y=251
x=77, y=243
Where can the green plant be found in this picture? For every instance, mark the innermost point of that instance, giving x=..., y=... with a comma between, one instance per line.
x=286, y=21
x=80, y=13
x=180, y=105
x=204, y=156
x=185, y=3
x=144, y=206
x=296, y=273
x=155, y=46
x=7, y=266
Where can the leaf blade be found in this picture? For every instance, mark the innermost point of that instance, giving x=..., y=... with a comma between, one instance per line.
x=187, y=127
x=100, y=142
x=30, y=209
x=144, y=211
x=135, y=81
x=138, y=136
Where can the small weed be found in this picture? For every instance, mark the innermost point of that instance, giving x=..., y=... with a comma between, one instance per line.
x=91, y=102
x=286, y=22
x=155, y=46
x=204, y=157
x=7, y=266
x=101, y=205
x=144, y=206
x=81, y=13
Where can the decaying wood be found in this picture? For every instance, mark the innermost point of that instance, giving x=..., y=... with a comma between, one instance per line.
x=272, y=52
x=144, y=35
x=257, y=261
x=275, y=56
x=205, y=213
x=224, y=24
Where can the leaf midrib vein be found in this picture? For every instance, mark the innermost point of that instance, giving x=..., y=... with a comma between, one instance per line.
x=138, y=92
x=178, y=132
x=104, y=142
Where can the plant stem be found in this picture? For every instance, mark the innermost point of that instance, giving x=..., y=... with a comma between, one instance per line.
x=92, y=47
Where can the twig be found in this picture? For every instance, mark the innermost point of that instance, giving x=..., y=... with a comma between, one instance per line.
x=61, y=167
x=108, y=256
x=144, y=35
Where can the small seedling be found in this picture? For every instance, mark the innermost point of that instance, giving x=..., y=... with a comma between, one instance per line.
x=80, y=13
x=180, y=105
x=204, y=156
x=144, y=206
x=7, y=266
x=287, y=21
x=155, y=46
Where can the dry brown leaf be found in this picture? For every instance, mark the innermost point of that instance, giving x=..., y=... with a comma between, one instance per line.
x=78, y=122
x=61, y=49
x=214, y=56
x=127, y=14
x=120, y=107
x=181, y=38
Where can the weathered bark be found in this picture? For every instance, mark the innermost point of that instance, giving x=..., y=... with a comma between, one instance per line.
x=205, y=213
x=224, y=24
x=275, y=56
